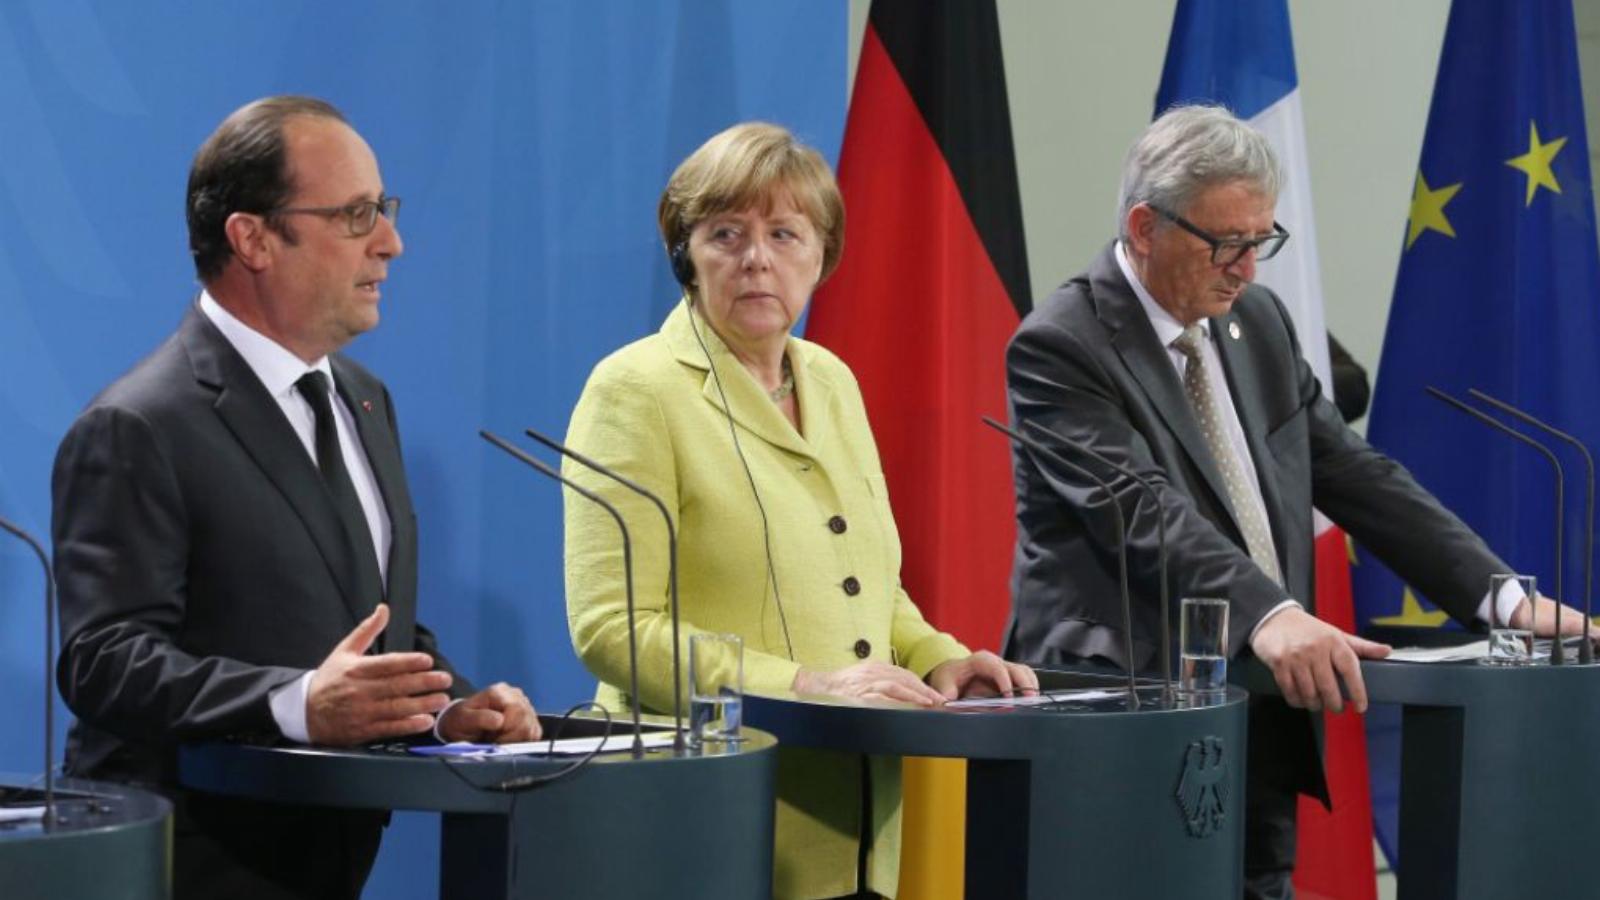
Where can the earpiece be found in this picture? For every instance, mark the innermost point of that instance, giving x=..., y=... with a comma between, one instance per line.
x=682, y=266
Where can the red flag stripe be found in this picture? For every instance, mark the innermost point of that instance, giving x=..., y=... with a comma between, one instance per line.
x=918, y=311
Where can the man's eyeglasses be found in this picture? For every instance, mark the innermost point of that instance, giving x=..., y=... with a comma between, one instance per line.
x=359, y=217
x=1226, y=252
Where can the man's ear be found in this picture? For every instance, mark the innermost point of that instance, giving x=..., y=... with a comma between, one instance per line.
x=1142, y=222
x=252, y=241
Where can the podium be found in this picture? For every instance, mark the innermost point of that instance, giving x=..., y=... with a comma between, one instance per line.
x=109, y=840
x=1496, y=794
x=664, y=826
x=1077, y=800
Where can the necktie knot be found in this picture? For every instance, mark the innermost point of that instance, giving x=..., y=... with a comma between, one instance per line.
x=1188, y=343
x=312, y=385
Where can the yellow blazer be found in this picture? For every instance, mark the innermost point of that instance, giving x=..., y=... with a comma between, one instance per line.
x=653, y=411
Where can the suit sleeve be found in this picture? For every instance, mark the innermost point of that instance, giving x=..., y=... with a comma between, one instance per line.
x=618, y=422
x=121, y=549
x=1378, y=502
x=1056, y=382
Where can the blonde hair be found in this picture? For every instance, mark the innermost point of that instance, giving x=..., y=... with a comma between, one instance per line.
x=749, y=165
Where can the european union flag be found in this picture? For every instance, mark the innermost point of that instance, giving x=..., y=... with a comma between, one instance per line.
x=1497, y=290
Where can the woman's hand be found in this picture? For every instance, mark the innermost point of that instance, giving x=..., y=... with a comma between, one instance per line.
x=868, y=681
x=983, y=675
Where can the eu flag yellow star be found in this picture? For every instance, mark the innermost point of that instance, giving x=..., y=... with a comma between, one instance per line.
x=1536, y=163
x=1427, y=210
x=1411, y=613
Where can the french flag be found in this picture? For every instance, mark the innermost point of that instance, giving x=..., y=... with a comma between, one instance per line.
x=1240, y=54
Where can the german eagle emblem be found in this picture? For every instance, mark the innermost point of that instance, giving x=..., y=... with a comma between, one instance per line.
x=1203, y=788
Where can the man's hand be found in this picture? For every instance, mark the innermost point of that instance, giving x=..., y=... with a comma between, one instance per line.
x=983, y=675
x=498, y=714
x=356, y=699
x=1305, y=653
x=1544, y=617
x=868, y=681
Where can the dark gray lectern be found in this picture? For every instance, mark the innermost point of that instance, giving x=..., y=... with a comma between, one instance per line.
x=109, y=841
x=665, y=826
x=1083, y=799
x=1497, y=794
x=1497, y=787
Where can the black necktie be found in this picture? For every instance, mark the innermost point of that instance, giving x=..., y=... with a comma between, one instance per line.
x=330, y=459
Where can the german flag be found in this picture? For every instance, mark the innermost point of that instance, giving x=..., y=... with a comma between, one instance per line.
x=933, y=282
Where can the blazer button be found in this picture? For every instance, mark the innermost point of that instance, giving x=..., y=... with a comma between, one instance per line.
x=837, y=525
x=863, y=649
x=851, y=586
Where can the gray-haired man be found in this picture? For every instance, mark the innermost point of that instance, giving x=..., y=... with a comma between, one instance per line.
x=1164, y=357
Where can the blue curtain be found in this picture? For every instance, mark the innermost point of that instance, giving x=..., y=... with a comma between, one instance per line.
x=529, y=142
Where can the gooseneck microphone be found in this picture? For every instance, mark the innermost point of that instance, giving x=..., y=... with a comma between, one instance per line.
x=1586, y=648
x=1122, y=538
x=672, y=563
x=49, y=669
x=1161, y=544
x=1557, y=656
x=627, y=570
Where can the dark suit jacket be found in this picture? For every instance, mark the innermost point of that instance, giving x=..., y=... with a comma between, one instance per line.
x=200, y=558
x=1086, y=363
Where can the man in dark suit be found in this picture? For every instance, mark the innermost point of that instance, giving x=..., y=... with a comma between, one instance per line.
x=1164, y=357
x=234, y=539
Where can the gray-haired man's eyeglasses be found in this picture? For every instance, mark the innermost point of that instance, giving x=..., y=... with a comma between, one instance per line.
x=1227, y=251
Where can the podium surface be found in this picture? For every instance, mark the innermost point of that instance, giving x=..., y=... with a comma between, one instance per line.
x=1077, y=800
x=108, y=840
x=688, y=824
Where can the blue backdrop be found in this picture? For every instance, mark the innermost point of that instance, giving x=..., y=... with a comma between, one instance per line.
x=530, y=143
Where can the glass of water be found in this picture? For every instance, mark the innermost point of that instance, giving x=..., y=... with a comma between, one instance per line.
x=1509, y=646
x=716, y=688
x=1203, y=647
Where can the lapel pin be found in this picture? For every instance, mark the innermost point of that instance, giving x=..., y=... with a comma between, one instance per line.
x=367, y=404
x=1233, y=330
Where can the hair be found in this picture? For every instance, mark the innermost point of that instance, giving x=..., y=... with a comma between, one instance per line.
x=242, y=167
x=1188, y=149
x=749, y=165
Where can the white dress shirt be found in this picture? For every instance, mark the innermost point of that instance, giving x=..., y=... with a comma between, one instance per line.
x=279, y=370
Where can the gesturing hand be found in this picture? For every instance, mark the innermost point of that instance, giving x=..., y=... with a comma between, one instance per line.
x=1305, y=653
x=356, y=699
x=497, y=714
x=868, y=681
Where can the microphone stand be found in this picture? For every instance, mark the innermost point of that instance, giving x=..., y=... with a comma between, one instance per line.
x=627, y=569
x=1122, y=538
x=1167, y=695
x=1557, y=656
x=49, y=670
x=672, y=565
x=1585, y=649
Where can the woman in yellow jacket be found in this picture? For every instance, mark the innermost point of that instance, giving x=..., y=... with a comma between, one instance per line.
x=758, y=442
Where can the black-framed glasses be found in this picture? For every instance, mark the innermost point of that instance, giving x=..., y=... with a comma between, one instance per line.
x=359, y=217
x=1227, y=251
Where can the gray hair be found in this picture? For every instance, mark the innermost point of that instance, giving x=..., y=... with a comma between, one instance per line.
x=1188, y=149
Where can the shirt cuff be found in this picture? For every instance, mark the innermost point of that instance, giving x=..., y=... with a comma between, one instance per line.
x=1291, y=602
x=438, y=719
x=288, y=703
x=1511, y=596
